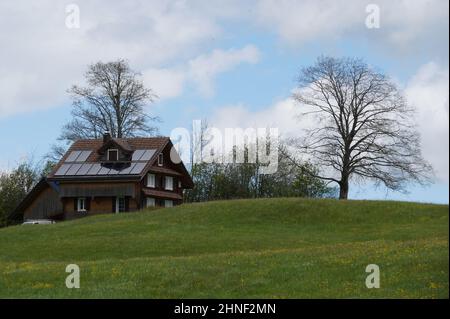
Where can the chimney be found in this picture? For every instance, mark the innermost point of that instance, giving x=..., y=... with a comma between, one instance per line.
x=106, y=137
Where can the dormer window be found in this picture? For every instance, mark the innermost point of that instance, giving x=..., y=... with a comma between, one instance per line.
x=160, y=159
x=113, y=155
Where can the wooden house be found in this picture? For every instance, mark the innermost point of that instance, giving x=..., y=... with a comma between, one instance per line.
x=109, y=175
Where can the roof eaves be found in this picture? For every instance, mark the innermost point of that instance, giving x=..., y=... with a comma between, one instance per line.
x=108, y=178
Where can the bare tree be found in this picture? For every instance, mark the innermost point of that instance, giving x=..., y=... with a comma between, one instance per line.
x=366, y=131
x=112, y=101
x=56, y=152
x=200, y=139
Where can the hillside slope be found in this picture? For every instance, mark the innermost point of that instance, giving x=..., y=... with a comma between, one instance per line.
x=266, y=248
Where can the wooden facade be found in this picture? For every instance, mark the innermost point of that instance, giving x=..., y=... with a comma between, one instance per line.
x=90, y=179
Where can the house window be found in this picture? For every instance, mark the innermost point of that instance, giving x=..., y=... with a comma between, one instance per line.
x=113, y=155
x=81, y=204
x=150, y=202
x=120, y=204
x=179, y=184
x=160, y=159
x=168, y=203
x=151, y=180
x=169, y=183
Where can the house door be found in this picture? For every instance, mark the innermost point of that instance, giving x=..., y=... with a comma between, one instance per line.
x=120, y=205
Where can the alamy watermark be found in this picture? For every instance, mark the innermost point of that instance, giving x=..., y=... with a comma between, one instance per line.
x=73, y=279
x=373, y=16
x=373, y=279
x=72, y=20
x=230, y=145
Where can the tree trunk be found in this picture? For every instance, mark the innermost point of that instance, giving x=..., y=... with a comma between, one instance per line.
x=343, y=189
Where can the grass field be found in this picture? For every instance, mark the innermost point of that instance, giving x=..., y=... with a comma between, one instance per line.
x=267, y=248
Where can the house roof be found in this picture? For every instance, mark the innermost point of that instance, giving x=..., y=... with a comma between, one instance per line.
x=120, y=143
x=82, y=159
x=127, y=143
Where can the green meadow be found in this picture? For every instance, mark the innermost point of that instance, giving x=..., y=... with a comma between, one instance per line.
x=264, y=248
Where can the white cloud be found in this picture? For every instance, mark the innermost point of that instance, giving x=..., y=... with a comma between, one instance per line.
x=408, y=22
x=201, y=72
x=403, y=24
x=41, y=58
x=427, y=91
x=282, y=115
x=166, y=83
x=299, y=21
x=204, y=69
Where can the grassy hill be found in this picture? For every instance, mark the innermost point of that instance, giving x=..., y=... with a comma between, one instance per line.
x=267, y=248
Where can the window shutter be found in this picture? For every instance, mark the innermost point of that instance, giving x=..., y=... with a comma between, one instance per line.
x=113, y=204
x=127, y=204
x=75, y=204
x=88, y=203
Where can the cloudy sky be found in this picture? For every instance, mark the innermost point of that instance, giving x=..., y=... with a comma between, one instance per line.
x=232, y=62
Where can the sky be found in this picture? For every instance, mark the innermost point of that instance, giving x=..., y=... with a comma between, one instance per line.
x=231, y=62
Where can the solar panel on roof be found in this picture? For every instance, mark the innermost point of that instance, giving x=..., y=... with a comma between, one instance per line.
x=103, y=171
x=127, y=170
x=84, y=169
x=73, y=169
x=83, y=156
x=78, y=156
x=138, y=168
x=147, y=155
x=137, y=154
x=73, y=156
x=77, y=164
x=62, y=169
x=113, y=171
x=94, y=169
